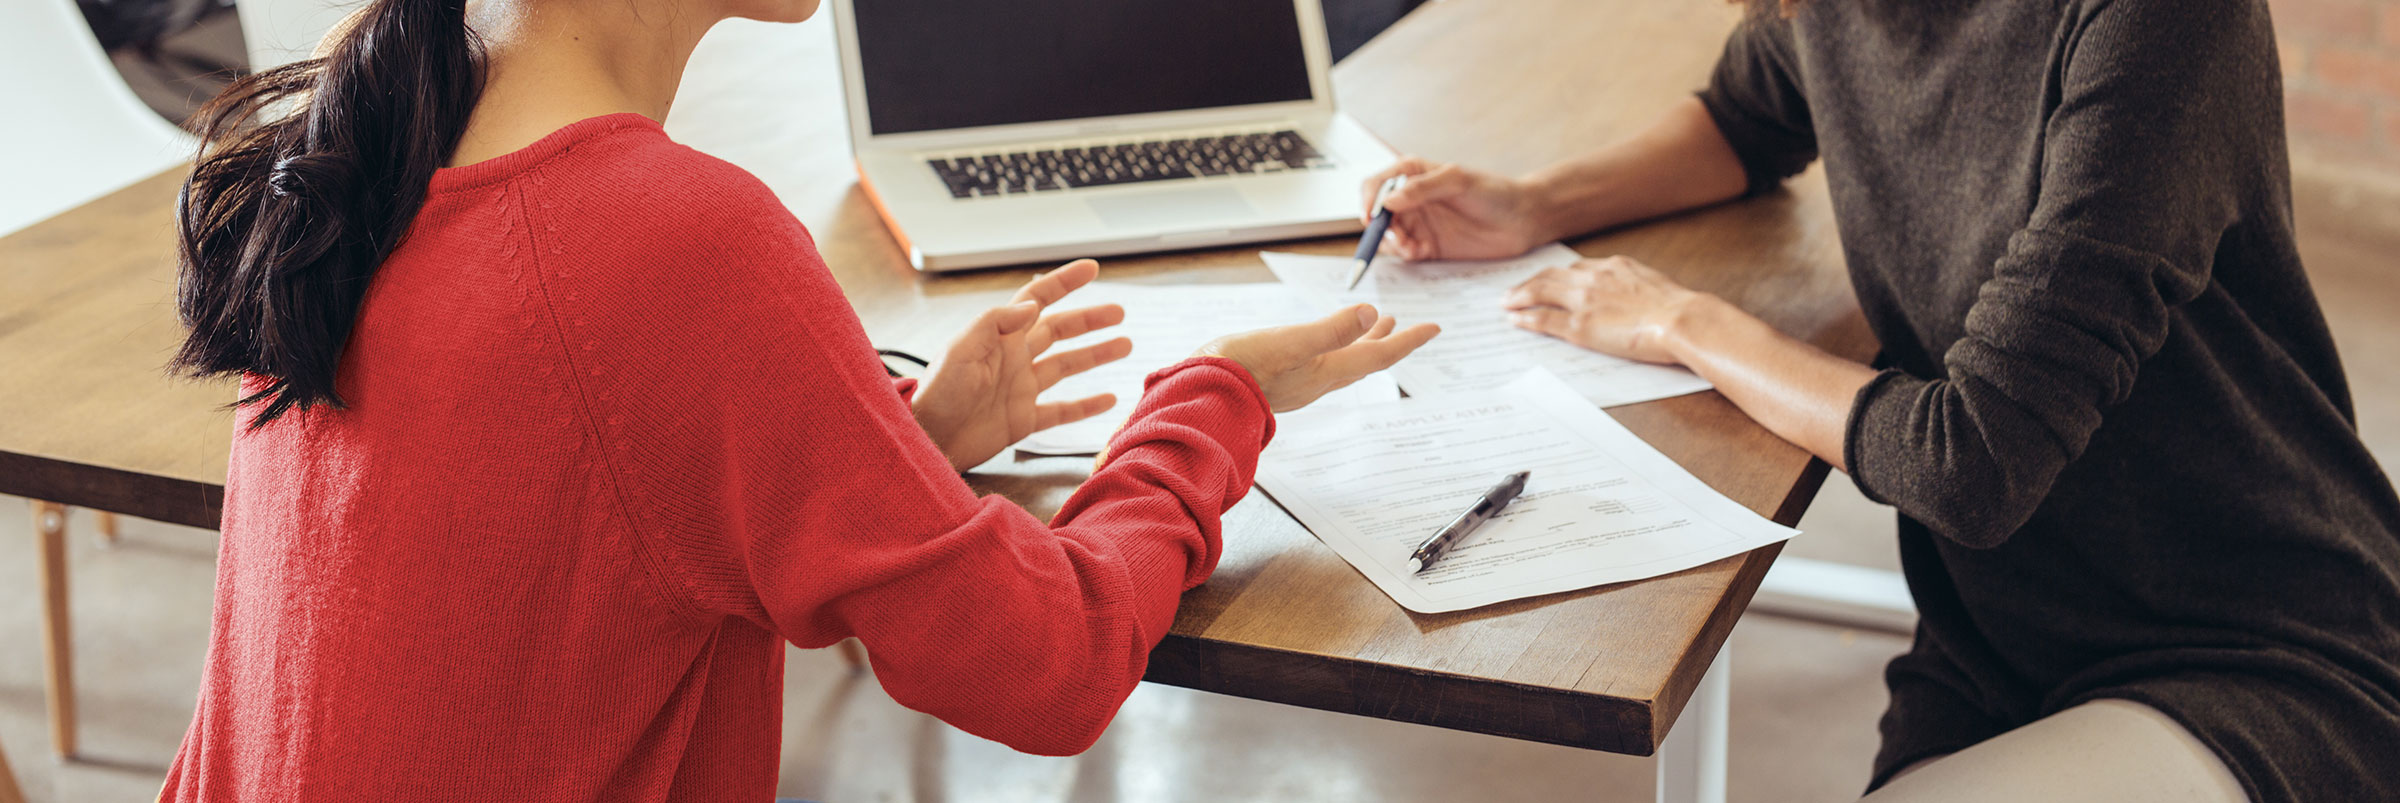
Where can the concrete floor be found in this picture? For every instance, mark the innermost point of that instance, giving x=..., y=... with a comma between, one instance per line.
x=1805, y=696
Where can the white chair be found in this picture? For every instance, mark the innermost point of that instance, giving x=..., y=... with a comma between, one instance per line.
x=279, y=32
x=78, y=133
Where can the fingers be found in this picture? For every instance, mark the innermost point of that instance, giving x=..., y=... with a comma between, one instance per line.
x=1048, y=370
x=1553, y=287
x=1550, y=321
x=1048, y=288
x=1407, y=166
x=1335, y=331
x=1408, y=236
x=1073, y=323
x=1428, y=187
x=1007, y=320
x=1383, y=326
x=1051, y=414
x=1370, y=355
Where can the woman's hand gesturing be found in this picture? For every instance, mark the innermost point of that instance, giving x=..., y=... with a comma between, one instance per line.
x=1297, y=364
x=984, y=394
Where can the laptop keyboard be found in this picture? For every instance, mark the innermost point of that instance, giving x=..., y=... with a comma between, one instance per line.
x=988, y=175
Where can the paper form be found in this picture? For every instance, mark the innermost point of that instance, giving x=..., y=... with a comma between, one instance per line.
x=1601, y=505
x=1167, y=323
x=1479, y=349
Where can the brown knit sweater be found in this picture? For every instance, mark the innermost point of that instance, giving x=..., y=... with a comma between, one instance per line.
x=2112, y=417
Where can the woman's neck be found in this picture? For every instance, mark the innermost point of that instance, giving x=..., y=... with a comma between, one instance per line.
x=550, y=64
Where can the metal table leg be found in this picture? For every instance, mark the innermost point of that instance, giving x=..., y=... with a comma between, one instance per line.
x=1691, y=762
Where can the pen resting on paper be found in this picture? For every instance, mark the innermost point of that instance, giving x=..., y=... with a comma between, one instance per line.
x=1484, y=508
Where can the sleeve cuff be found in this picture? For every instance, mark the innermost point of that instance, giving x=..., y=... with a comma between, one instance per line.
x=1868, y=420
x=1255, y=394
x=1754, y=144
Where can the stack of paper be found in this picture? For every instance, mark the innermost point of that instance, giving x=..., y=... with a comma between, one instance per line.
x=1479, y=349
x=1601, y=505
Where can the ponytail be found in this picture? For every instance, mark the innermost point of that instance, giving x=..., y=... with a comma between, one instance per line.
x=308, y=176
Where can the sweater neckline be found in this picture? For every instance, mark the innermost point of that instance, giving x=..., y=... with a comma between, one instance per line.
x=556, y=142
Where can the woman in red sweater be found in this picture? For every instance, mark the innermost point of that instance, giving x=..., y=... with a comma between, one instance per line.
x=524, y=504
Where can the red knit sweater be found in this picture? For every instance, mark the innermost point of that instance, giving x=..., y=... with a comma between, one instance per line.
x=615, y=436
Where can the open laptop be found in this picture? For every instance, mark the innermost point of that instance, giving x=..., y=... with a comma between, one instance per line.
x=999, y=133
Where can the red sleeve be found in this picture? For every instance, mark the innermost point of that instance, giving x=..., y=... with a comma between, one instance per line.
x=771, y=472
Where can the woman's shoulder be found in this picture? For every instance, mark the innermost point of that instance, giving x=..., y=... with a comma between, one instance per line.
x=623, y=221
x=619, y=173
x=618, y=189
x=2174, y=24
x=632, y=173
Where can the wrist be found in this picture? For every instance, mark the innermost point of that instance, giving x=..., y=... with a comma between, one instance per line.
x=1569, y=199
x=1694, y=323
x=1543, y=203
x=938, y=434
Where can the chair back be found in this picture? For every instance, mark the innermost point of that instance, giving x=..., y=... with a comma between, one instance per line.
x=279, y=32
x=77, y=130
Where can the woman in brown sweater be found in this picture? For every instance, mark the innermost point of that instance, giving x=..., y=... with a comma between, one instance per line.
x=2151, y=557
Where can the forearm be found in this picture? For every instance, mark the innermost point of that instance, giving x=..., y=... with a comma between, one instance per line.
x=1794, y=389
x=1065, y=615
x=1679, y=162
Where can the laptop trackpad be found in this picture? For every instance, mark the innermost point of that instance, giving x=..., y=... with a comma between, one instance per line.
x=1171, y=210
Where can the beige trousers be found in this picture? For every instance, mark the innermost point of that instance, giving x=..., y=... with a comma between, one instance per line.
x=2106, y=750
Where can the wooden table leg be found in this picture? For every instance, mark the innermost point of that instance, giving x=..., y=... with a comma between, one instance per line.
x=10, y=792
x=107, y=524
x=50, y=537
x=1691, y=762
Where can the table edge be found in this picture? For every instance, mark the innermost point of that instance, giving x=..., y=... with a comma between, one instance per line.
x=189, y=503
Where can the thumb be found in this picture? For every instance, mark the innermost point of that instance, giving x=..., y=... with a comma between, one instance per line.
x=1339, y=329
x=1011, y=319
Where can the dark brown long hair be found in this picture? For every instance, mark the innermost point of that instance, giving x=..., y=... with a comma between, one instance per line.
x=1771, y=8
x=308, y=176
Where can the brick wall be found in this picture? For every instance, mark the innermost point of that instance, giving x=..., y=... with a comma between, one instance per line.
x=2341, y=84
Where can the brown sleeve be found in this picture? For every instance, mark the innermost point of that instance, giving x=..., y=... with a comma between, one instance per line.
x=2155, y=137
x=1756, y=98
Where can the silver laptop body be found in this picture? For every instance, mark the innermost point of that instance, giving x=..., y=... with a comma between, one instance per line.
x=1002, y=133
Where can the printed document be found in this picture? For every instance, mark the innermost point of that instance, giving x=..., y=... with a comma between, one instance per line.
x=1167, y=323
x=1601, y=506
x=1478, y=349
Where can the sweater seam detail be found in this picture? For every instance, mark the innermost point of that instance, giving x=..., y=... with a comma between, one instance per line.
x=652, y=564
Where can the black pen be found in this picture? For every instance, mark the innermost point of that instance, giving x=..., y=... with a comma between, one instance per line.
x=1377, y=220
x=1483, y=510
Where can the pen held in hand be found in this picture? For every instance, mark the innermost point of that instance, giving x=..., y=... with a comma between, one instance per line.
x=1485, y=507
x=1379, y=220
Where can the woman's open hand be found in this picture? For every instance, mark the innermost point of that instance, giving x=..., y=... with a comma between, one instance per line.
x=984, y=394
x=1614, y=306
x=1296, y=364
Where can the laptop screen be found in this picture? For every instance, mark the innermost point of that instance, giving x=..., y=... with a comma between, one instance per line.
x=941, y=64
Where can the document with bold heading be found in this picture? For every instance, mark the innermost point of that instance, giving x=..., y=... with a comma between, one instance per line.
x=1167, y=323
x=1479, y=348
x=1601, y=505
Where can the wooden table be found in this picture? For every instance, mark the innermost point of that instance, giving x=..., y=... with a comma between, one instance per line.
x=89, y=418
